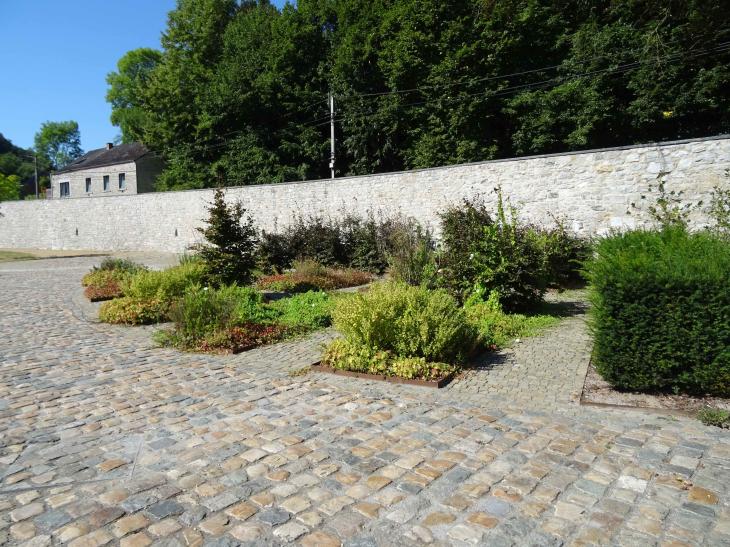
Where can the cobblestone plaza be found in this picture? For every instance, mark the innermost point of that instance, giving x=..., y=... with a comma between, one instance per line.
x=107, y=439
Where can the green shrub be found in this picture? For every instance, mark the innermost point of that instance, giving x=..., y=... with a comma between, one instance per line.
x=310, y=275
x=498, y=254
x=307, y=311
x=715, y=417
x=499, y=329
x=408, y=321
x=165, y=285
x=565, y=254
x=133, y=311
x=203, y=310
x=230, y=251
x=661, y=311
x=411, y=257
x=120, y=265
x=342, y=354
x=362, y=243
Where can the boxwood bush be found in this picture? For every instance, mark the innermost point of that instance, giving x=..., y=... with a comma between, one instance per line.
x=661, y=311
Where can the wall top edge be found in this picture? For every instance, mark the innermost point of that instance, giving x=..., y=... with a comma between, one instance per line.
x=660, y=144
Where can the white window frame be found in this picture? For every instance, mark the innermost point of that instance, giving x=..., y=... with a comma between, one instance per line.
x=122, y=181
x=105, y=182
x=87, y=184
x=61, y=186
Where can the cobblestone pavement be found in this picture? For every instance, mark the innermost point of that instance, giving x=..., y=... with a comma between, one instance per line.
x=105, y=439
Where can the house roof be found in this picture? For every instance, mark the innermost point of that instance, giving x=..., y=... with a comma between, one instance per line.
x=122, y=153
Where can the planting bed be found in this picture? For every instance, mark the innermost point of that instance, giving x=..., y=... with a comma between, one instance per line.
x=442, y=382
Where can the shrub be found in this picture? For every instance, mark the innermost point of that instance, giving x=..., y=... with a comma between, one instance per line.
x=498, y=329
x=342, y=354
x=411, y=257
x=309, y=275
x=565, y=254
x=116, y=268
x=661, y=311
x=202, y=311
x=498, y=254
x=104, y=285
x=133, y=311
x=407, y=321
x=242, y=338
x=362, y=243
x=307, y=311
x=230, y=252
x=165, y=285
x=715, y=417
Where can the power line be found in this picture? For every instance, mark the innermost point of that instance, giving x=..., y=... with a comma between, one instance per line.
x=620, y=69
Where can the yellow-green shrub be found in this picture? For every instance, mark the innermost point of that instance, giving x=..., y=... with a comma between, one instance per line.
x=133, y=311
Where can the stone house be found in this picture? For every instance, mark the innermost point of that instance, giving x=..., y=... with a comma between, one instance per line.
x=109, y=171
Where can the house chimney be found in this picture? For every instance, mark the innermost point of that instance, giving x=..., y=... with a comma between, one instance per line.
x=109, y=145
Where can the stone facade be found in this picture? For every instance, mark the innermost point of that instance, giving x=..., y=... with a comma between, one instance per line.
x=591, y=191
x=77, y=181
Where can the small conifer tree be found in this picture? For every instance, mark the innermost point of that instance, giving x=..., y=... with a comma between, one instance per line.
x=231, y=241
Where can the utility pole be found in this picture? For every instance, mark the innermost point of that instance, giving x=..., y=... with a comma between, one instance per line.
x=332, y=133
x=35, y=164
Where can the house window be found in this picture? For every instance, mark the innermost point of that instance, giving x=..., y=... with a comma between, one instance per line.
x=122, y=181
x=88, y=186
x=106, y=183
x=64, y=190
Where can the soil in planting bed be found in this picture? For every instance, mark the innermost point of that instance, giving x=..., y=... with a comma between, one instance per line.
x=597, y=391
x=442, y=382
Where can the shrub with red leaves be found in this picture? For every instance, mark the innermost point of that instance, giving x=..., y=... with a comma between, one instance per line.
x=243, y=338
x=107, y=290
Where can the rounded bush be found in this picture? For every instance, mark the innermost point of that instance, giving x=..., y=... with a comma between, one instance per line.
x=407, y=321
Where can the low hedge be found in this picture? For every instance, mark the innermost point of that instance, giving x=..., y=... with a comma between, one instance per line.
x=661, y=311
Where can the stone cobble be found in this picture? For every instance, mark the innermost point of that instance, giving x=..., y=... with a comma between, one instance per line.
x=106, y=439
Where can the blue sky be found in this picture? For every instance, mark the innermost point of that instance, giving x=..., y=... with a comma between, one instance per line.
x=55, y=56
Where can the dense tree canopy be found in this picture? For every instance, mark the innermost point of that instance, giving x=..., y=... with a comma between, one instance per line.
x=57, y=144
x=238, y=94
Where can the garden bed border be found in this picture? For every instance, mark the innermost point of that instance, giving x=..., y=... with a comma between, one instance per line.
x=434, y=384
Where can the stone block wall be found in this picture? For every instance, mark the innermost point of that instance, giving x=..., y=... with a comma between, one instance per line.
x=591, y=191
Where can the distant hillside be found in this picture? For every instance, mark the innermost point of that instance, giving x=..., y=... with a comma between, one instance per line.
x=17, y=161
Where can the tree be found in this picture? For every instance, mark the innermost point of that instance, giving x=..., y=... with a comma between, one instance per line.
x=230, y=251
x=9, y=187
x=126, y=93
x=58, y=144
x=238, y=94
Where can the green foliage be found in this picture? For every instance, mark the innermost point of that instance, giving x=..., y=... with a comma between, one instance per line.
x=408, y=321
x=720, y=208
x=343, y=354
x=309, y=275
x=411, y=256
x=202, y=311
x=133, y=311
x=165, y=285
x=661, y=311
x=306, y=311
x=239, y=93
x=715, y=417
x=126, y=91
x=9, y=187
x=668, y=208
x=58, y=144
x=230, y=250
x=498, y=254
x=16, y=161
x=499, y=329
x=120, y=265
x=360, y=242
x=565, y=254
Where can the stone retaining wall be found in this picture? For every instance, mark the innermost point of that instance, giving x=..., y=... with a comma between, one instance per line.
x=592, y=191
